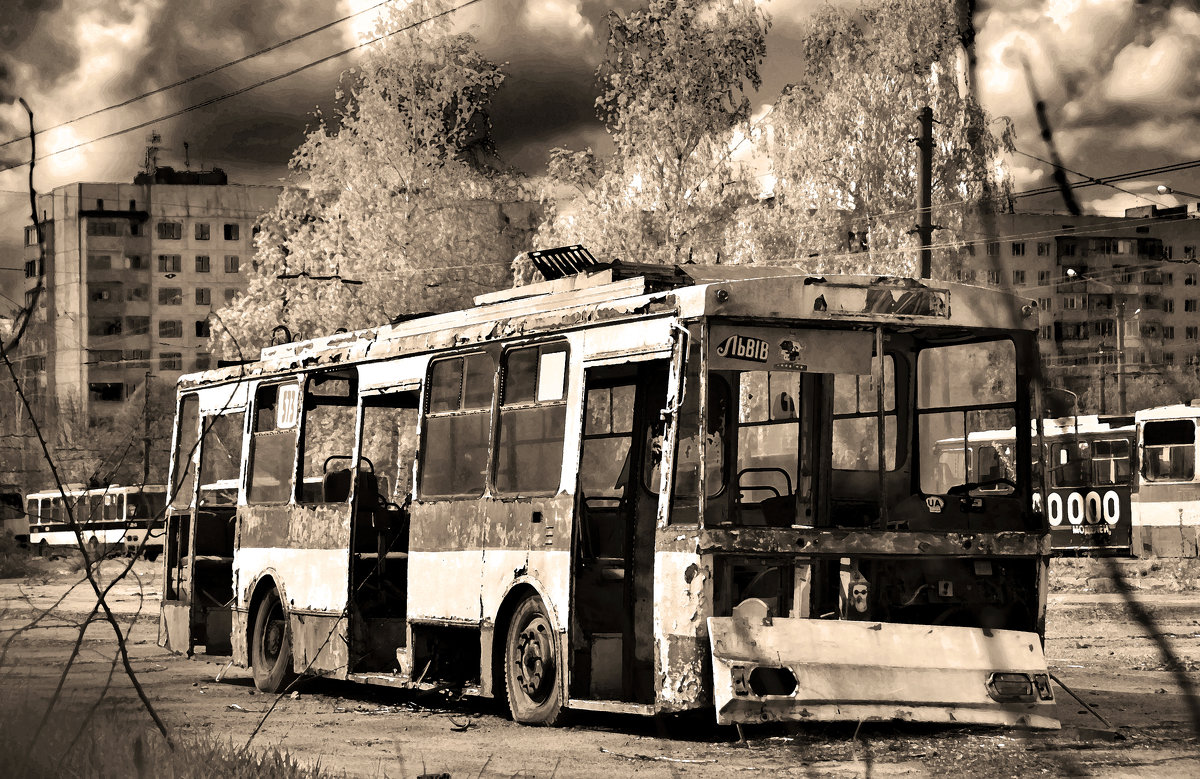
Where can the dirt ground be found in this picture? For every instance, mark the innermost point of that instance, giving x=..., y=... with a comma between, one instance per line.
x=1107, y=649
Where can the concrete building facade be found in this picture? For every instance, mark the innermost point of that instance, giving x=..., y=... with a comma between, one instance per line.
x=130, y=275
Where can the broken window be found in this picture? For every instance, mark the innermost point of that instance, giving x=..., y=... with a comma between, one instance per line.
x=1170, y=450
x=220, y=458
x=390, y=443
x=458, y=425
x=962, y=389
x=855, y=420
x=273, y=443
x=185, y=443
x=328, y=444
x=768, y=458
x=532, y=417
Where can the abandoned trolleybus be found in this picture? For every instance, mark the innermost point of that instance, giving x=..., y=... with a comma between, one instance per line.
x=629, y=488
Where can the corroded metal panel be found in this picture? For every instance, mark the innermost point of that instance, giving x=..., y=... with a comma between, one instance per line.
x=806, y=669
x=319, y=644
x=458, y=525
x=853, y=542
x=311, y=579
x=683, y=596
x=174, y=627
x=239, y=638
x=299, y=527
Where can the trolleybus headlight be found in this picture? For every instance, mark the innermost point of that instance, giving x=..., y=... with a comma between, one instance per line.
x=1008, y=686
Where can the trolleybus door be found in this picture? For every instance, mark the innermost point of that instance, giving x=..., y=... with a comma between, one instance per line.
x=612, y=630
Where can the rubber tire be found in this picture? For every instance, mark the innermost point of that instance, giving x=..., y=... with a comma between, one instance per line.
x=544, y=706
x=150, y=554
x=43, y=549
x=271, y=675
x=93, y=553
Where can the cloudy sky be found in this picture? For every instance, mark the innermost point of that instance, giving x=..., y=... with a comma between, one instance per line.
x=1120, y=78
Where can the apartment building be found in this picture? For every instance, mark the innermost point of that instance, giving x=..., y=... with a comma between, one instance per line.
x=1116, y=295
x=132, y=273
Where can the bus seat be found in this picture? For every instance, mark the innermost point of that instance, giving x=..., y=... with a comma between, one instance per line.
x=336, y=486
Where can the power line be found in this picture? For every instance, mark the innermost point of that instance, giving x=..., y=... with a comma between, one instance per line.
x=243, y=90
x=197, y=76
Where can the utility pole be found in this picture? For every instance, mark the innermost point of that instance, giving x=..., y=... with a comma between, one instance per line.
x=146, y=431
x=925, y=191
x=1121, y=357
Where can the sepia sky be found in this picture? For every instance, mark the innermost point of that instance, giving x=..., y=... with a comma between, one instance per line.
x=1121, y=80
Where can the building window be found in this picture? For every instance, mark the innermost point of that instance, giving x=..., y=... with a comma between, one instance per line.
x=230, y=294
x=135, y=262
x=993, y=248
x=107, y=392
x=1068, y=250
x=203, y=362
x=1043, y=278
x=1168, y=358
x=232, y=263
x=232, y=233
x=1192, y=332
x=203, y=296
x=170, y=361
x=31, y=269
x=1043, y=249
x=1168, y=306
x=170, y=328
x=203, y=329
x=99, y=262
x=1168, y=332
x=31, y=235
x=993, y=277
x=137, y=229
x=107, y=291
x=1018, y=276
x=170, y=231
x=1189, y=305
x=138, y=293
x=1046, y=333
x=202, y=263
x=170, y=296
x=1189, y=279
x=137, y=325
x=170, y=263
x=1189, y=252
x=98, y=326
x=103, y=227
x=201, y=231
x=137, y=355
x=1044, y=304
x=1018, y=248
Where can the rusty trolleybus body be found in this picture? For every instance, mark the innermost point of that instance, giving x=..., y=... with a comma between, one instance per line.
x=629, y=489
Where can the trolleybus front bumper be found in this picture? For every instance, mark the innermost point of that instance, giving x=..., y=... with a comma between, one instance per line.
x=822, y=670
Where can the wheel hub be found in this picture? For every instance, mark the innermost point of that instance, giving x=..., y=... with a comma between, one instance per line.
x=535, y=658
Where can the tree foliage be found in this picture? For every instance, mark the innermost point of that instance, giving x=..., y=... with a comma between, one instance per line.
x=841, y=142
x=675, y=83
x=396, y=205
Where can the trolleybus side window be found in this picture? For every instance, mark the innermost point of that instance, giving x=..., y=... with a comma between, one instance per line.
x=189, y=420
x=1110, y=461
x=769, y=411
x=1170, y=450
x=327, y=446
x=458, y=426
x=962, y=389
x=855, y=438
x=533, y=413
x=220, y=457
x=273, y=444
x=389, y=443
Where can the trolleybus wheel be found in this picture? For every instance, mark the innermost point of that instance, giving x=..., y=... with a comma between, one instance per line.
x=531, y=666
x=150, y=554
x=43, y=549
x=94, y=551
x=271, y=650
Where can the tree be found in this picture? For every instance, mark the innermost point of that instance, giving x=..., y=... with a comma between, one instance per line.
x=841, y=142
x=396, y=206
x=675, y=79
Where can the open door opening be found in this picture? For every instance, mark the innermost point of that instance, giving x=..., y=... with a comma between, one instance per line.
x=613, y=550
x=379, y=531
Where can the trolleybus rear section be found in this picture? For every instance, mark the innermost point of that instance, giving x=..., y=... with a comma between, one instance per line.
x=630, y=489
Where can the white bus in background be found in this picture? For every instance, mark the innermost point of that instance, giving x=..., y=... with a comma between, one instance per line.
x=1166, y=503
x=110, y=519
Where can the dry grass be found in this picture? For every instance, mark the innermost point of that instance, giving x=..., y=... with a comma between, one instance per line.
x=112, y=743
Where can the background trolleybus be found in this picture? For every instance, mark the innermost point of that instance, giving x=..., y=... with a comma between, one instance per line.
x=109, y=518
